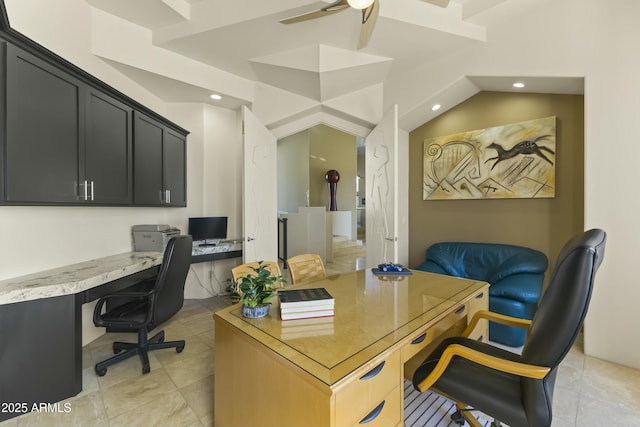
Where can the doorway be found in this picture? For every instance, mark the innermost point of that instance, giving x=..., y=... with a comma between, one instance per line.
x=302, y=183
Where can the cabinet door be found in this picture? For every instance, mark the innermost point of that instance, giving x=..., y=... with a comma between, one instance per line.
x=174, y=161
x=43, y=129
x=147, y=158
x=107, y=151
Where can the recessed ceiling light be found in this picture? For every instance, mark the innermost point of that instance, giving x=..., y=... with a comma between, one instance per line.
x=436, y=107
x=519, y=85
x=215, y=96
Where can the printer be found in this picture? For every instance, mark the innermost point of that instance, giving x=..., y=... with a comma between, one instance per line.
x=152, y=237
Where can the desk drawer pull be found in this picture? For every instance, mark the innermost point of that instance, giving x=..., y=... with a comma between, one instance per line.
x=461, y=309
x=480, y=295
x=419, y=339
x=373, y=414
x=372, y=373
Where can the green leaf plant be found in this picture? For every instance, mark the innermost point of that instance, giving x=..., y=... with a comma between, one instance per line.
x=256, y=289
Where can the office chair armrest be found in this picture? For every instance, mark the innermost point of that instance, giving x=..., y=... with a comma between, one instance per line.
x=494, y=317
x=508, y=366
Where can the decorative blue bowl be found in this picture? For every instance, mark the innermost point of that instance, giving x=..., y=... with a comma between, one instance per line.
x=255, y=312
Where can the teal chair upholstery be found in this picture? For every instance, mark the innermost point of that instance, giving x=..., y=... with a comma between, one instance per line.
x=515, y=274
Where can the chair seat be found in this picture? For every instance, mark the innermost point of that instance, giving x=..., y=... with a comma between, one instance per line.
x=476, y=385
x=134, y=312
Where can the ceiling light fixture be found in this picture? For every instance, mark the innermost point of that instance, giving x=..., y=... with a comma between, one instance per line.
x=518, y=85
x=215, y=96
x=360, y=4
x=436, y=107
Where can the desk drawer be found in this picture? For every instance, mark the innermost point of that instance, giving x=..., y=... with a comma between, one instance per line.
x=425, y=336
x=386, y=413
x=367, y=390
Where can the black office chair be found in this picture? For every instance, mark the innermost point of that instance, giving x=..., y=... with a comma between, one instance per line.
x=150, y=304
x=518, y=389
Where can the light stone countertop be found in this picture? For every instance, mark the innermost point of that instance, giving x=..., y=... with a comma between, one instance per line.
x=75, y=278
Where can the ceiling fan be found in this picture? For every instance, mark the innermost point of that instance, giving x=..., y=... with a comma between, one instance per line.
x=369, y=9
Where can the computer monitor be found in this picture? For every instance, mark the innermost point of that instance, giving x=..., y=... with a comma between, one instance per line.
x=207, y=229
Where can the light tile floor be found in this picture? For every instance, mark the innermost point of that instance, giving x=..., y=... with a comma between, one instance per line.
x=179, y=389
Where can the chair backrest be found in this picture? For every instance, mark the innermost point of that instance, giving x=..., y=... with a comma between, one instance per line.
x=560, y=315
x=169, y=286
x=305, y=268
x=246, y=269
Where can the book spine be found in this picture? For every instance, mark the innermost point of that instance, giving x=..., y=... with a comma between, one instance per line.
x=296, y=309
x=306, y=314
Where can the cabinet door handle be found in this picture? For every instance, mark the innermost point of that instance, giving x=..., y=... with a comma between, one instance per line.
x=92, y=191
x=167, y=196
x=461, y=309
x=86, y=190
x=419, y=339
x=372, y=373
x=373, y=414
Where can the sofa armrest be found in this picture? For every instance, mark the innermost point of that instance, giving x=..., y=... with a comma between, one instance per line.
x=431, y=267
x=526, y=288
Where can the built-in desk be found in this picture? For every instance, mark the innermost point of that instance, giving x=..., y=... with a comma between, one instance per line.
x=41, y=325
x=341, y=370
x=231, y=248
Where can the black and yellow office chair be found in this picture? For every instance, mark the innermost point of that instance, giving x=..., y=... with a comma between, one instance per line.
x=152, y=303
x=518, y=389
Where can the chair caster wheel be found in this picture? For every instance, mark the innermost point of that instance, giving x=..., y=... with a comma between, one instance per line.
x=179, y=349
x=101, y=372
x=457, y=418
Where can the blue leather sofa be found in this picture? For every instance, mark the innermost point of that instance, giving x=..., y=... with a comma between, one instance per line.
x=515, y=275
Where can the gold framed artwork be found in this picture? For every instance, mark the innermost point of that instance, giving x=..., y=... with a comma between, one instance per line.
x=511, y=161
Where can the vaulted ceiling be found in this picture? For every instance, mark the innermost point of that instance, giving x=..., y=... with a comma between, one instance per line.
x=315, y=63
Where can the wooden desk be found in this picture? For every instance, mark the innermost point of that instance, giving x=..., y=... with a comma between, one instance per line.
x=340, y=370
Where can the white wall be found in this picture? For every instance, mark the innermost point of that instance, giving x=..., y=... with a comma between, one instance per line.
x=293, y=172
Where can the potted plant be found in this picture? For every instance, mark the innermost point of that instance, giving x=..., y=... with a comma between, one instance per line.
x=255, y=290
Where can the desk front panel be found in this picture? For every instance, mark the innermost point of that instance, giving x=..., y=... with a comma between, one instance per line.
x=371, y=316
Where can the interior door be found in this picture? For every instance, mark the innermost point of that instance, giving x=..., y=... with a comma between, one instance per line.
x=386, y=161
x=259, y=192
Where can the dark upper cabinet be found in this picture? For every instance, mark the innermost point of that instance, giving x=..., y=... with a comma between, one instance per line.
x=174, y=163
x=65, y=142
x=67, y=138
x=107, y=168
x=159, y=164
x=43, y=131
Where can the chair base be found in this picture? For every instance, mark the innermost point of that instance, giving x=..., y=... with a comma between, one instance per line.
x=125, y=350
x=463, y=413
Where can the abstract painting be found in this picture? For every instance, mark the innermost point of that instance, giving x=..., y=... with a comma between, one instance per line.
x=511, y=161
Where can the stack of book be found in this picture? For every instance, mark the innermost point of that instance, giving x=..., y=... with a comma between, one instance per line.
x=305, y=303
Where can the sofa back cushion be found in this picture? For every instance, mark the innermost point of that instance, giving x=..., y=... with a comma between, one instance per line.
x=489, y=262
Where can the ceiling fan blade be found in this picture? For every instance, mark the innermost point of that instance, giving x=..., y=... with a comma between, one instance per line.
x=441, y=3
x=369, y=18
x=334, y=7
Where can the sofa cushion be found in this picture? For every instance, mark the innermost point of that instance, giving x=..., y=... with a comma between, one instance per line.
x=489, y=262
